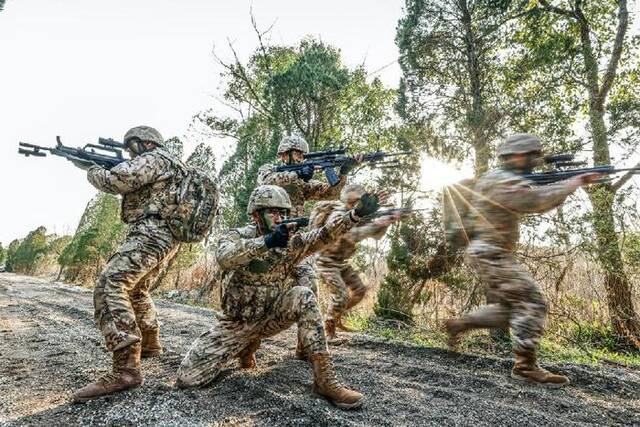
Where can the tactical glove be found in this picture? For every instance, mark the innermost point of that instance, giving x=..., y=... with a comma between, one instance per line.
x=305, y=173
x=347, y=167
x=367, y=205
x=278, y=238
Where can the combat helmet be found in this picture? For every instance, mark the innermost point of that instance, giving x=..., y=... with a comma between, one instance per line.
x=352, y=193
x=144, y=133
x=293, y=142
x=268, y=196
x=520, y=143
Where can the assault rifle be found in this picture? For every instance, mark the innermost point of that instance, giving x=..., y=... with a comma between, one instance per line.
x=300, y=222
x=106, y=153
x=404, y=212
x=329, y=160
x=562, y=164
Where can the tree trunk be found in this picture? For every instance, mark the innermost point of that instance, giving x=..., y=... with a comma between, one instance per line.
x=622, y=313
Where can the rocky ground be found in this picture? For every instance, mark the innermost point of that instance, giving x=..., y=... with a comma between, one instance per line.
x=50, y=346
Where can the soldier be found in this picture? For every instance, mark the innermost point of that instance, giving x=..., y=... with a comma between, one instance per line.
x=260, y=297
x=501, y=198
x=343, y=281
x=124, y=310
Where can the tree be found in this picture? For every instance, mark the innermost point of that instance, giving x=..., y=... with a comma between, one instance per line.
x=3, y=254
x=98, y=235
x=591, y=67
x=24, y=256
x=304, y=90
x=451, y=65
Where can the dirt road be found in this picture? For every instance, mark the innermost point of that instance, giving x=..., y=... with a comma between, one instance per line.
x=49, y=346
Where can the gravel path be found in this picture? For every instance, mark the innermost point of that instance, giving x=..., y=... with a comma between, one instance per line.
x=50, y=346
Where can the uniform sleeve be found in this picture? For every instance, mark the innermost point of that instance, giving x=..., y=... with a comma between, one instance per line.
x=234, y=251
x=318, y=190
x=302, y=245
x=131, y=175
x=267, y=175
x=521, y=196
x=367, y=230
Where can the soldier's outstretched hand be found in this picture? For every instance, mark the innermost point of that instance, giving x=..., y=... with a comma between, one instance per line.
x=367, y=205
x=383, y=196
x=589, y=178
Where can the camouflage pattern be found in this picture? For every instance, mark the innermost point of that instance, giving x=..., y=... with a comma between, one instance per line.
x=342, y=280
x=298, y=190
x=144, y=181
x=501, y=198
x=520, y=143
x=268, y=196
x=293, y=142
x=260, y=298
x=122, y=303
x=144, y=133
x=123, y=306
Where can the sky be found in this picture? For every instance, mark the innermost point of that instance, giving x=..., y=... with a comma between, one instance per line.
x=84, y=69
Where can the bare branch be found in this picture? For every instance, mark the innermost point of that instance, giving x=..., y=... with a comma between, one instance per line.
x=624, y=179
x=557, y=10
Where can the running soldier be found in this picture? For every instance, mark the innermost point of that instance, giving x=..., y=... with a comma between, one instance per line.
x=501, y=198
x=124, y=310
x=343, y=281
x=260, y=297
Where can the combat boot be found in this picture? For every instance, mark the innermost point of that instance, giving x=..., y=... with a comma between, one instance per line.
x=526, y=369
x=301, y=353
x=326, y=384
x=454, y=329
x=126, y=374
x=151, y=346
x=330, y=329
x=341, y=326
x=247, y=357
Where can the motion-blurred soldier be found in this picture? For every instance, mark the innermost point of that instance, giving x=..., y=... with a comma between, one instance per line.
x=501, y=198
x=343, y=281
x=261, y=298
x=124, y=310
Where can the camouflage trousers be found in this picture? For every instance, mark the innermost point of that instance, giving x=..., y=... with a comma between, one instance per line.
x=345, y=286
x=229, y=337
x=123, y=307
x=518, y=299
x=305, y=274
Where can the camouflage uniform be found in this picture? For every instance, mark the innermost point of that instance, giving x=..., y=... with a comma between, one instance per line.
x=501, y=198
x=260, y=298
x=123, y=308
x=343, y=280
x=299, y=192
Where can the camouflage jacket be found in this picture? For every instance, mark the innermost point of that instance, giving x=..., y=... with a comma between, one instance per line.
x=298, y=190
x=341, y=250
x=502, y=197
x=255, y=276
x=145, y=182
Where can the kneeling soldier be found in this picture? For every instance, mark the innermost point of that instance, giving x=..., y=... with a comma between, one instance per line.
x=260, y=297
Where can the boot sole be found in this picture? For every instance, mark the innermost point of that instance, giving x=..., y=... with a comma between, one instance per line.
x=546, y=385
x=86, y=399
x=340, y=405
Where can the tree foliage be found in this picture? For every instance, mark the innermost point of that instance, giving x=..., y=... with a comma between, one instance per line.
x=304, y=90
x=23, y=256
